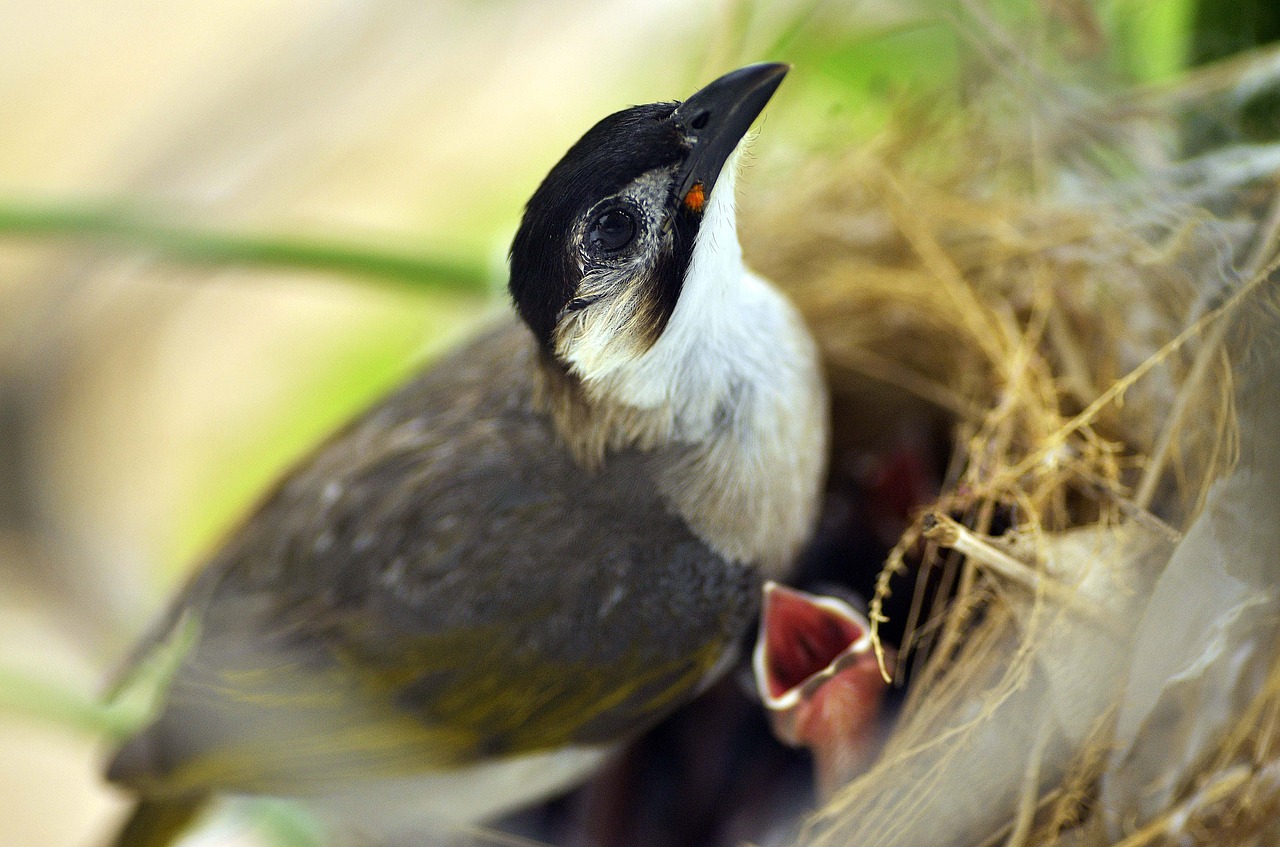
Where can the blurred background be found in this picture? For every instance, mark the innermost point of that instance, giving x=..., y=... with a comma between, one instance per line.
x=226, y=226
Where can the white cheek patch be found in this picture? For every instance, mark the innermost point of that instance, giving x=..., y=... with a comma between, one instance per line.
x=615, y=329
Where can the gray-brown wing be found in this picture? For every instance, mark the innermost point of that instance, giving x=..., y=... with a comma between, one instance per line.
x=438, y=584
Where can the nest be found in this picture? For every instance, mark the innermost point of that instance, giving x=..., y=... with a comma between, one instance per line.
x=1090, y=314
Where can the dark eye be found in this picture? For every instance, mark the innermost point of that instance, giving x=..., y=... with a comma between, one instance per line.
x=611, y=231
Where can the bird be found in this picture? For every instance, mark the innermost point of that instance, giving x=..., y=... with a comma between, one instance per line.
x=464, y=600
x=820, y=680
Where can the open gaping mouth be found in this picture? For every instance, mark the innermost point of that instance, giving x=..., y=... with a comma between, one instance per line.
x=804, y=640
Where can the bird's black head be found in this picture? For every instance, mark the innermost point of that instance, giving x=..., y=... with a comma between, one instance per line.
x=607, y=239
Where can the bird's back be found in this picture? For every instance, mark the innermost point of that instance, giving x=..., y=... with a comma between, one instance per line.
x=440, y=585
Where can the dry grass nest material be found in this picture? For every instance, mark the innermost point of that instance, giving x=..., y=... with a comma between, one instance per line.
x=1079, y=316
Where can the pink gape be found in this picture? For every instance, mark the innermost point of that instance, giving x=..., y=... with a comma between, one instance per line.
x=818, y=677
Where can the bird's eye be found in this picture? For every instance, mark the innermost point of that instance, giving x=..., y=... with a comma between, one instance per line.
x=611, y=231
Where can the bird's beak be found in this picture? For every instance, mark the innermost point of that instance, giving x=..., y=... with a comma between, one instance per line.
x=714, y=120
x=819, y=679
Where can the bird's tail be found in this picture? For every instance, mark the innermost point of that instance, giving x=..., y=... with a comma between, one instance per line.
x=159, y=822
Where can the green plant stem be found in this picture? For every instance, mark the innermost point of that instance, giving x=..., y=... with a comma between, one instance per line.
x=128, y=229
x=28, y=696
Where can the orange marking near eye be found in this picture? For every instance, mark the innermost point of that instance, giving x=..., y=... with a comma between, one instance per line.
x=696, y=198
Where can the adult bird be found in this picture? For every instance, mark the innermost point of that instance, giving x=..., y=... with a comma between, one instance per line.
x=535, y=549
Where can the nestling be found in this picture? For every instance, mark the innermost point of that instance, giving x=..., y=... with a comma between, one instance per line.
x=540, y=546
x=820, y=681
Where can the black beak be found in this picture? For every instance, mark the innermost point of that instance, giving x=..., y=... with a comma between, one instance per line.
x=714, y=120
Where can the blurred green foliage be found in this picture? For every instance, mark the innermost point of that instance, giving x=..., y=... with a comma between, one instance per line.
x=1222, y=28
x=858, y=82
x=1150, y=38
x=155, y=233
